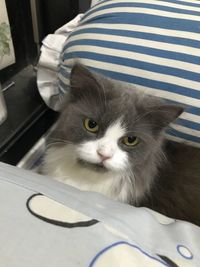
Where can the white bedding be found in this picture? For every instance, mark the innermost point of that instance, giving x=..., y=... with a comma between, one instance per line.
x=44, y=223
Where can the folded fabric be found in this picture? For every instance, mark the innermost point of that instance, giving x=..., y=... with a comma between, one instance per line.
x=46, y=223
x=47, y=75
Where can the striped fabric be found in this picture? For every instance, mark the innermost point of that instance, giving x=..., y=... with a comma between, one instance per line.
x=153, y=44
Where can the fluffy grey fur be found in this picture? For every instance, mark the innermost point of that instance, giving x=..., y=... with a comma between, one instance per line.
x=105, y=101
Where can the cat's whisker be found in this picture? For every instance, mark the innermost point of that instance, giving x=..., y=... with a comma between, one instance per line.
x=62, y=178
x=164, y=156
x=101, y=97
x=60, y=98
x=147, y=126
x=56, y=141
x=104, y=94
x=150, y=112
x=130, y=178
x=143, y=115
x=53, y=144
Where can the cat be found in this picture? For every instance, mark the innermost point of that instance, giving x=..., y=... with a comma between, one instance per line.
x=176, y=189
x=109, y=138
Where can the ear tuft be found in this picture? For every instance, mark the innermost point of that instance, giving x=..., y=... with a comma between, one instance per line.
x=171, y=112
x=82, y=82
x=161, y=116
x=78, y=72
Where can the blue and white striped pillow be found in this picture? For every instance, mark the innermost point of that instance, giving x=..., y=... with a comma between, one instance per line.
x=150, y=43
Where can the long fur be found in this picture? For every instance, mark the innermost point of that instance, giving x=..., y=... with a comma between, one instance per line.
x=132, y=175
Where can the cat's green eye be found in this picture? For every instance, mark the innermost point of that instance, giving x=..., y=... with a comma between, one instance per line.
x=91, y=125
x=130, y=140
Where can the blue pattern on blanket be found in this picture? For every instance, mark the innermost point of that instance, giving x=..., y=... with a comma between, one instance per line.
x=53, y=224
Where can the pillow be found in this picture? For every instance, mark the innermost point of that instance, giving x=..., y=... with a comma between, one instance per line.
x=94, y=2
x=154, y=45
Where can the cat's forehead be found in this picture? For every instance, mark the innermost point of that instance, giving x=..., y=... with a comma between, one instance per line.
x=116, y=129
x=123, y=109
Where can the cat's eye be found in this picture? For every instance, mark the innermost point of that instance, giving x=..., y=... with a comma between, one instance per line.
x=91, y=125
x=130, y=140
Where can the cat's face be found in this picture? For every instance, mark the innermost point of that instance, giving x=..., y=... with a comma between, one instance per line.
x=105, y=149
x=110, y=128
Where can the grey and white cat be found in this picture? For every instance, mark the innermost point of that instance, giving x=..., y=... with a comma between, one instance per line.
x=109, y=138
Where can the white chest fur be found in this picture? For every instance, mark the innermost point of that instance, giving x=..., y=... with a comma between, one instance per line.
x=115, y=182
x=61, y=164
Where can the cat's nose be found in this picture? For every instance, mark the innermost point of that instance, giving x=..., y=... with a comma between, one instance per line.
x=103, y=156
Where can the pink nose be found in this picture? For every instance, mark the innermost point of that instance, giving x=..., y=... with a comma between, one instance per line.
x=103, y=156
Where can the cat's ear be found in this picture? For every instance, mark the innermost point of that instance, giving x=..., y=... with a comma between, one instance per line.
x=161, y=116
x=82, y=82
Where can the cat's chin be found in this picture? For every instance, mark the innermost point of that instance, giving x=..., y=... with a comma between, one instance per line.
x=93, y=166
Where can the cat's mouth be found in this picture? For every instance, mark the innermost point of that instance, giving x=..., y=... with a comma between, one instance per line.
x=94, y=166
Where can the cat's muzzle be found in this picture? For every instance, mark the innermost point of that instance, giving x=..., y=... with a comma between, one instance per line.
x=93, y=166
